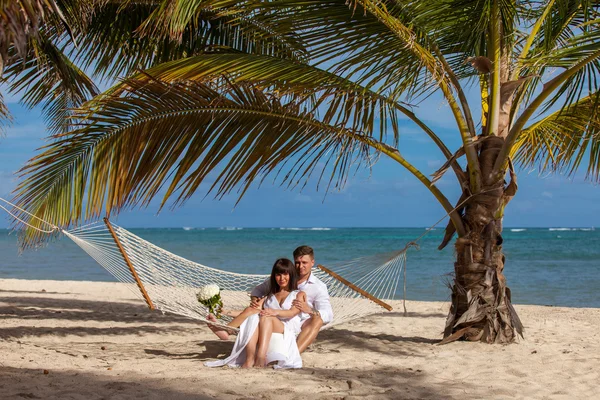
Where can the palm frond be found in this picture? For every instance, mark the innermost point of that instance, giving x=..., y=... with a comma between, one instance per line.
x=340, y=101
x=567, y=35
x=124, y=37
x=5, y=115
x=173, y=136
x=20, y=20
x=460, y=27
x=566, y=18
x=47, y=76
x=373, y=48
x=561, y=141
x=576, y=49
x=244, y=22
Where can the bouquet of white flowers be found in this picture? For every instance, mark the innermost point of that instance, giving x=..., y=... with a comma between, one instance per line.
x=210, y=296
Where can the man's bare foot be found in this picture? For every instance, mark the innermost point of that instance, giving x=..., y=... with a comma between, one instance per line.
x=219, y=331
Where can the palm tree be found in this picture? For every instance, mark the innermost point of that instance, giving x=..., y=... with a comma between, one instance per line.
x=33, y=61
x=306, y=83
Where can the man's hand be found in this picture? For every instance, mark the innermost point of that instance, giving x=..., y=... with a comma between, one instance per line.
x=257, y=302
x=302, y=306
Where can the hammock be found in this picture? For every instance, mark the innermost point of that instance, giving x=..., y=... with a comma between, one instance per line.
x=169, y=283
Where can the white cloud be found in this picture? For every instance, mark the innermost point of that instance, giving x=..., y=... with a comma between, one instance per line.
x=302, y=198
x=547, y=195
x=37, y=130
x=434, y=163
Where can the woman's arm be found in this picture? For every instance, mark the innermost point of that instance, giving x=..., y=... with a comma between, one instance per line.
x=284, y=313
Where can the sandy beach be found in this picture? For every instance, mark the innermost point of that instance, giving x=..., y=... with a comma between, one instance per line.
x=93, y=340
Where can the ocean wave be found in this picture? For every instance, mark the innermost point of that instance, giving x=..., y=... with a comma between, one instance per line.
x=518, y=230
x=187, y=228
x=230, y=228
x=305, y=229
x=560, y=229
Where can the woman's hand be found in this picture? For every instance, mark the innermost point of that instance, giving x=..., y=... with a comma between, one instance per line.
x=269, y=312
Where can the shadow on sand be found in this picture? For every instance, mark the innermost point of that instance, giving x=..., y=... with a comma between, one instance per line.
x=82, y=310
x=25, y=383
x=138, y=318
x=375, y=383
x=213, y=349
x=371, y=383
x=412, y=314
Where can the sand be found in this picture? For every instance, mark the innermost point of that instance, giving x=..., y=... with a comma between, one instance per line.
x=92, y=340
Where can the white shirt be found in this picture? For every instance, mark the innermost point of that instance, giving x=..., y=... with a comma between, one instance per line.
x=317, y=296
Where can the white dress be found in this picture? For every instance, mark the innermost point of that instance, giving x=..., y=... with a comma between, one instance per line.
x=282, y=348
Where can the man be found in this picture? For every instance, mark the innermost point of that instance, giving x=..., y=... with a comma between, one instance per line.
x=316, y=311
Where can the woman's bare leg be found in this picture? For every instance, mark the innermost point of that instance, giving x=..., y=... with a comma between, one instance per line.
x=218, y=330
x=251, y=350
x=266, y=327
x=240, y=317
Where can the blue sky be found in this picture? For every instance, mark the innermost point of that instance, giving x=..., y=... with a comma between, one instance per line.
x=387, y=197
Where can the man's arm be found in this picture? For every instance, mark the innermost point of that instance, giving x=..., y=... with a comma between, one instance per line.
x=259, y=292
x=322, y=305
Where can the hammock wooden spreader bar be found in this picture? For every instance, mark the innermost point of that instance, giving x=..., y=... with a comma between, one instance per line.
x=129, y=264
x=355, y=288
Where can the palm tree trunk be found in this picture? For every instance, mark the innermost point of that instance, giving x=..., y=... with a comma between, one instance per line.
x=481, y=302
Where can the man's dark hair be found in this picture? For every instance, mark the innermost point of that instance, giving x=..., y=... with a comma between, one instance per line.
x=283, y=266
x=304, y=251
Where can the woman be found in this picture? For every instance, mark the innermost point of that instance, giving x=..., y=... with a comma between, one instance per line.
x=252, y=346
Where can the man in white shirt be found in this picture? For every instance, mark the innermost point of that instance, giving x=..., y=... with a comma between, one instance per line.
x=316, y=311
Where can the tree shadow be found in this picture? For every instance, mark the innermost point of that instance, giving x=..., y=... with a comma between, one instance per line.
x=379, y=343
x=137, y=317
x=31, y=291
x=18, y=332
x=213, y=349
x=25, y=383
x=82, y=310
x=413, y=314
x=380, y=383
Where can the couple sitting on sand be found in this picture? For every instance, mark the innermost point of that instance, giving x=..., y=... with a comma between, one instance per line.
x=293, y=303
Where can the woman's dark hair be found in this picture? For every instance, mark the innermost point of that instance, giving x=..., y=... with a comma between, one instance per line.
x=283, y=266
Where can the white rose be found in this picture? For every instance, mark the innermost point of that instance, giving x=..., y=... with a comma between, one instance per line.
x=207, y=292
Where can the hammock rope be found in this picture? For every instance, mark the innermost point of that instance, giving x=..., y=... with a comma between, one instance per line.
x=169, y=283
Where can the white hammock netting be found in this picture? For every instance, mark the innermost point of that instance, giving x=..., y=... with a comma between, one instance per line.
x=171, y=282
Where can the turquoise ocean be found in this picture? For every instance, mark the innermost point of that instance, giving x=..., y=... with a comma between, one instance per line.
x=545, y=266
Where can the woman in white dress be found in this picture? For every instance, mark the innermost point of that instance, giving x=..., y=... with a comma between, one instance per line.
x=255, y=345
